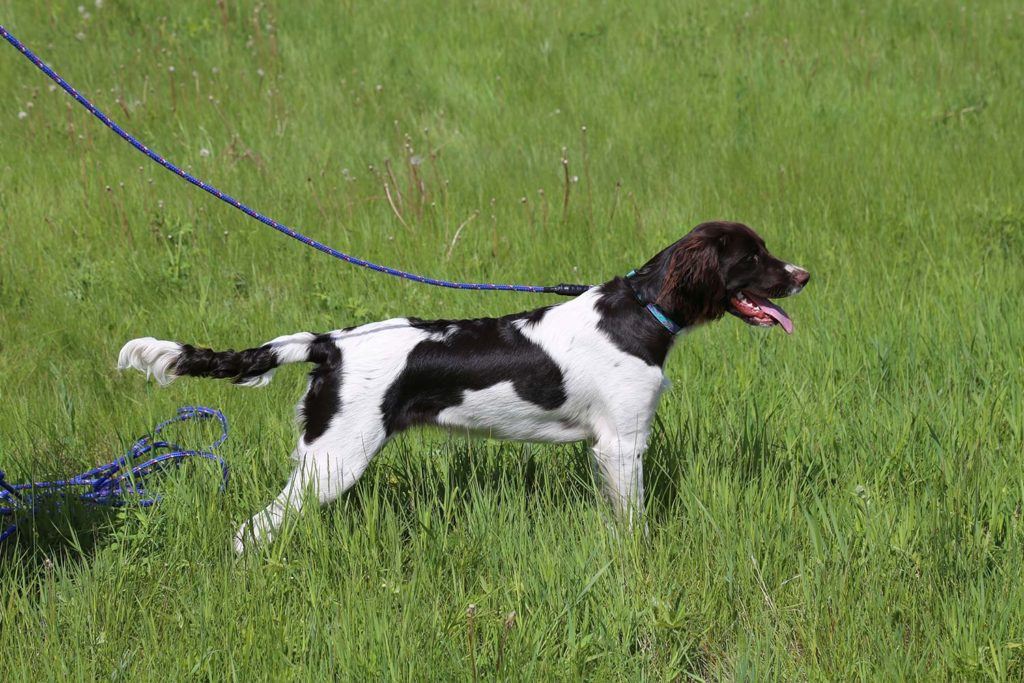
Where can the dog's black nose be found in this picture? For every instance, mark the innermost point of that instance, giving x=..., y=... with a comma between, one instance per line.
x=801, y=277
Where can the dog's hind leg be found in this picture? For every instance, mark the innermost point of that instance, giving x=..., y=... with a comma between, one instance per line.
x=326, y=468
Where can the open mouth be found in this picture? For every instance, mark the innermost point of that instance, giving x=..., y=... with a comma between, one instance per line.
x=756, y=310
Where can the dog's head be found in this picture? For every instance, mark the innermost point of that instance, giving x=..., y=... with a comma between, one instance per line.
x=722, y=267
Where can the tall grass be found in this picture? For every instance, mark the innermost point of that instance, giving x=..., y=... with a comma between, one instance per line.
x=843, y=503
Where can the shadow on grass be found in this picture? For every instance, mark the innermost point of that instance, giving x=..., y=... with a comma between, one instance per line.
x=442, y=477
x=448, y=476
x=60, y=530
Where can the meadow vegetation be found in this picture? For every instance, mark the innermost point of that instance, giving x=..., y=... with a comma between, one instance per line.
x=844, y=503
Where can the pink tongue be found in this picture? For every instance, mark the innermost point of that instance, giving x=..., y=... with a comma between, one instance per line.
x=777, y=314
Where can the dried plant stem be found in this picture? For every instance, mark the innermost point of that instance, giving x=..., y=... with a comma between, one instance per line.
x=458, y=232
x=636, y=211
x=398, y=214
x=568, y=184
x=615, y=201
x=174, y=93
x=394, y=182
x=470, y=637
x=586, y=175
x=528, y=211
x=494, y=229
x=510, y=621
x=543, y=210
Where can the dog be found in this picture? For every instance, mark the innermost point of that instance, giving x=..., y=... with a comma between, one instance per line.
x=590, y=369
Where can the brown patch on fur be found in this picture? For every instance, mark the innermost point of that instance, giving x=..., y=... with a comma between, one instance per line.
x=693, y=287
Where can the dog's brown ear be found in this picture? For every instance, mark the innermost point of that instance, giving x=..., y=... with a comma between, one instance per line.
x=693, y=286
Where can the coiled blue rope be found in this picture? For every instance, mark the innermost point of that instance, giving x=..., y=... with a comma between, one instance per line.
x=562, y=289
x=121, y=481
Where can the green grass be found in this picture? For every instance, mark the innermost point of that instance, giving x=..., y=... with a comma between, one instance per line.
x=841, y=504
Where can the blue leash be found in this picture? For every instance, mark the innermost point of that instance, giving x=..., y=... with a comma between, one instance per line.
x=121, y=481
x=561, y=289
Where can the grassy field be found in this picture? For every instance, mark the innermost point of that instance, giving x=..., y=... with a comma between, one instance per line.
x=841, y=504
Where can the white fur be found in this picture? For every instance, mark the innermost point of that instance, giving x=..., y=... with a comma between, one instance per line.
x=793, y=270
x=154, y=357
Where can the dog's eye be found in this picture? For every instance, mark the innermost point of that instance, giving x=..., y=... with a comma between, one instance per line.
x=753, y=258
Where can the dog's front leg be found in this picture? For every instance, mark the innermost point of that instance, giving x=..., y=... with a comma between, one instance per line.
x=618, y=459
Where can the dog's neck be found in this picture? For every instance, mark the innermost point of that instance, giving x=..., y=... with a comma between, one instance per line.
x=630, y=325
x=663, y=318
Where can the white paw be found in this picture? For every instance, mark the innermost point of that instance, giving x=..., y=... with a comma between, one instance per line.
x=238, y=541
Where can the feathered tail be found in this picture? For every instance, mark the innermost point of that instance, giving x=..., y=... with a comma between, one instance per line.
x=167, y=360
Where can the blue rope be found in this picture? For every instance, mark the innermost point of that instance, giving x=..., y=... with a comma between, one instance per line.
x=562, y=289
x=112, y=484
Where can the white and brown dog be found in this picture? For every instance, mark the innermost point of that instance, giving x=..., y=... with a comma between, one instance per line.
x=588, y=369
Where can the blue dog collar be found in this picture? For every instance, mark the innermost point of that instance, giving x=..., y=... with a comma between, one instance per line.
x=659, y=315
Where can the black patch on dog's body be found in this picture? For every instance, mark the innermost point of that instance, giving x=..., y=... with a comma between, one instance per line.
x=238, y=366
x=630, y=325
x=473, y=355
x=323, y=400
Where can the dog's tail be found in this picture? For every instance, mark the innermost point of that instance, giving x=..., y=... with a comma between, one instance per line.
x=165, y=361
